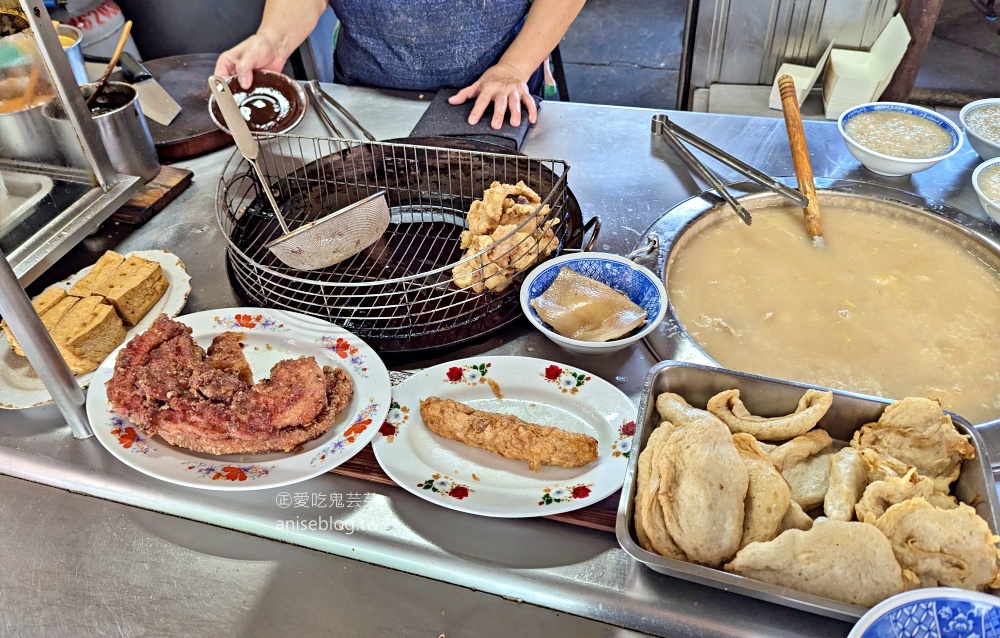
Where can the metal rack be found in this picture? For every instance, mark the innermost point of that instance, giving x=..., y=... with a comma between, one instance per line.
x=402, y=287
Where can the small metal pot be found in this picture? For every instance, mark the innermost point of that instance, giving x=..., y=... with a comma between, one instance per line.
x=74, y=52
x=25, y=133
x=124, y=131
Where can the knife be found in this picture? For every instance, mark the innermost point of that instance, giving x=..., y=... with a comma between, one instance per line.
x=156, y=103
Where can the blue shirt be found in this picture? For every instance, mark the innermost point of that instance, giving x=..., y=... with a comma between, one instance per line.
x=423, y=45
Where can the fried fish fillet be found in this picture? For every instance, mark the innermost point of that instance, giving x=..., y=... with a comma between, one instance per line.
x=507, y=435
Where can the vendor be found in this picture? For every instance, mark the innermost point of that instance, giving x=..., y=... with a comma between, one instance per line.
x=493, y=50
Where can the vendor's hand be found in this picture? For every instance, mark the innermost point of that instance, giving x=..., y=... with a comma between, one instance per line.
x=503, y=85
x=259, y=51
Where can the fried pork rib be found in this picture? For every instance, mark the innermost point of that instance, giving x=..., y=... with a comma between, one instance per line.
x=164, y=384
x=507, y=435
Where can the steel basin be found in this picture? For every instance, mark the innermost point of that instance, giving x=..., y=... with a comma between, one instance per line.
x=667, y=234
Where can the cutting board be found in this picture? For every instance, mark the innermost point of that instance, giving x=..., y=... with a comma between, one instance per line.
x=185, y=78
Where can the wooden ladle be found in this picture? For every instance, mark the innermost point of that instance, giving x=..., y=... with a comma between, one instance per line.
x=800, y=156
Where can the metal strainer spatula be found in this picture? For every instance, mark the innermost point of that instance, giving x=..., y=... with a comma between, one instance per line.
x=320, y=243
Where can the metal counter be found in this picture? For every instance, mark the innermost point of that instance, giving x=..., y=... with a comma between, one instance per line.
x=137, y=560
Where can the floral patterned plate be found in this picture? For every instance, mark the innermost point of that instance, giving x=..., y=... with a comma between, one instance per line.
x=472, y=480
x=269, y=337
x=20, y=386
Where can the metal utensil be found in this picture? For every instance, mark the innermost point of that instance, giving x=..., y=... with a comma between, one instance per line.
x=313, y=87
x=112, y=63
x=320, y=243
x=318, y=91
x=674, y=134
x=156, y=103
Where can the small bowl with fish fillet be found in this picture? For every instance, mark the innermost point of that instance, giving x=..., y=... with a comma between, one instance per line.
x=593, y=303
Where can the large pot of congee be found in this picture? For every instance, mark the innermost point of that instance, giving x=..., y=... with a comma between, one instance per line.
x=903, y=300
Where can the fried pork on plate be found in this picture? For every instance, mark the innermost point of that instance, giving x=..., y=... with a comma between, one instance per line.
x=164, y=384
x=508, y=436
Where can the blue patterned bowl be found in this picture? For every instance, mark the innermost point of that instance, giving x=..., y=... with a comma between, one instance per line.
x=897, y=166
x=640, y=284
x=936, y=612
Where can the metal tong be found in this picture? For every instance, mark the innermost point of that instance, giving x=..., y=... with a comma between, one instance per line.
x=674, y=134
x=319, y=94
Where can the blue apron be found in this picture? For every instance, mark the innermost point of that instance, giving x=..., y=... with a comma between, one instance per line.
x=424, y=45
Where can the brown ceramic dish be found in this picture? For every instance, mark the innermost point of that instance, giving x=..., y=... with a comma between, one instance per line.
x=275, y=103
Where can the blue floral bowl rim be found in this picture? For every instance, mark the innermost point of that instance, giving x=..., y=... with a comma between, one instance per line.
x=957, y=136
x=907, y=598
x=536, y=321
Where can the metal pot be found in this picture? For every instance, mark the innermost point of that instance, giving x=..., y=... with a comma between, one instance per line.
x=25, y=133
x=74, y=52
x=667, y=234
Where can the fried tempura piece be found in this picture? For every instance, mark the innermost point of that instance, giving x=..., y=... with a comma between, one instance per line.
x=492, y=223
x=768, y=494
x=848, y=479
x=881, y=495
x=730, y=409
x=949, y=548
x=849, y=562
x=507, y=435
x=650, y=525
x=917, y=432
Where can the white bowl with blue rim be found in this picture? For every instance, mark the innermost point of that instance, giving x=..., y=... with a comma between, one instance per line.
x=934, y=612
x=638, y=283
x=990, y=205
x=897, y=166
x=987, y=149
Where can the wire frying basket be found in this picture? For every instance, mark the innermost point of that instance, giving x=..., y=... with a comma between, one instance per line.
x=399, y=293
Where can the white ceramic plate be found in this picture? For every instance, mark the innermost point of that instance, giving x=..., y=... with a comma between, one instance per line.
x=21, y=388
x=468, y=479
x=270, y=336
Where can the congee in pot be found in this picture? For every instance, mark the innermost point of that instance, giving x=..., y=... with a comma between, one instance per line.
x=897, y=304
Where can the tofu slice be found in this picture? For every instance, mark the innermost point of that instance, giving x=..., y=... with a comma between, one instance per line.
x=133, y=288
x=106, y=265
x=43, y=304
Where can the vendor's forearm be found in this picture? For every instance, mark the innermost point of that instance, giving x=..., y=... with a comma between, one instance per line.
x=545, y=26
x=289, y=22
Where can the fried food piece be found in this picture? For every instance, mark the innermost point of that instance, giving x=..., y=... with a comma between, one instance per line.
x=163, y=385
x=650, y=526
x=508, y=436
x=917, y=432
x=881, y=495
x=800, y=448
x=795, y=518
x=768, y=493
x=226, y=353
x=880, y=466
x=848, y=480
x=846, y=561
x=810, y=479
x=730, y=409
x=495, y=222
x=703, y=483
x=950, y=548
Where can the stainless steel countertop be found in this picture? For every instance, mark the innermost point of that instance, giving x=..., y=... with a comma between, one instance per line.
x=618, y=173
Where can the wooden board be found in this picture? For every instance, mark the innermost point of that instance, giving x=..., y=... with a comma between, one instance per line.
x=185, y=78
x=154, y=196
x=600, y=515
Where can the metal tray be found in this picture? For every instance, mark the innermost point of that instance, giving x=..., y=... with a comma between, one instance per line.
x=698, y=383
x=24, y=191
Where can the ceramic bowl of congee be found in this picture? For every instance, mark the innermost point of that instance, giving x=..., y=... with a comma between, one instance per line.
x=593, y=303
x=986, y=181
x=981, y=120
x=895, y=139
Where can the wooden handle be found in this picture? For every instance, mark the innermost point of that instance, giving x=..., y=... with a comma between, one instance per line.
x=112, y=63
x=800, y=153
